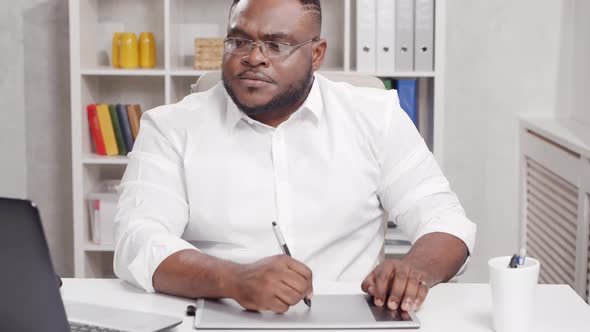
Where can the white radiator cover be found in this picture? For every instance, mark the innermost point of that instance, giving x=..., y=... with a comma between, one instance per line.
x=551, y=219
x=555, y=201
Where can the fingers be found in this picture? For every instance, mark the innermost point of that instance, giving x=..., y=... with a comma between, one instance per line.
x=396, y=284
x=279, y=306
x=411, y=292
x=398, y=287
x=302, y=278
x=298, y=284
x=300, y=268
x=383, y=275
x=368, y=285
x=288, y=295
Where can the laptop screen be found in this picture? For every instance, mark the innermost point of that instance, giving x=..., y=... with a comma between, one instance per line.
x=29, y=293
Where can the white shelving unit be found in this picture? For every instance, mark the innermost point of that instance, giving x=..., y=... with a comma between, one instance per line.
x=175, y=24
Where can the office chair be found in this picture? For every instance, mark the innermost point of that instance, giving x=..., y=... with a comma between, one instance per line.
x=209, y=79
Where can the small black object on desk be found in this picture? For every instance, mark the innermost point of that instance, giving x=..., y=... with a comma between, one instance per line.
x=191, y=310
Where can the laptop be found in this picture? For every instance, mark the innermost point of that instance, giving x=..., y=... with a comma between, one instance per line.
x=29, y=288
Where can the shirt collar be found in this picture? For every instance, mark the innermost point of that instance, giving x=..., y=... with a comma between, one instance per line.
x=313, y=103
x=233, y=114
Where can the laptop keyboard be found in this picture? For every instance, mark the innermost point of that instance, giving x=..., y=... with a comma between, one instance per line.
x=75, y=327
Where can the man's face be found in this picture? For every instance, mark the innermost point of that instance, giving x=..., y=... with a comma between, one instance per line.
x=256, y=83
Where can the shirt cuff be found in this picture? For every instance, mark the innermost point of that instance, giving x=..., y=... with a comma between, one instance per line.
x=456, y=225
x=151, y=255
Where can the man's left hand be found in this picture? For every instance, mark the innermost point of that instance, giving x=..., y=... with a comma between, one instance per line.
x=396, y=282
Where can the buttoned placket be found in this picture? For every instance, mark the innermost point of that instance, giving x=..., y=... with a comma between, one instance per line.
x=281, y=177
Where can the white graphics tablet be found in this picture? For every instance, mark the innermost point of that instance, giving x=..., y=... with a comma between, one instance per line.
x=326, y=312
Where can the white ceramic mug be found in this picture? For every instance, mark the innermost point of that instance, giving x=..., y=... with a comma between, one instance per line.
x=513, y=294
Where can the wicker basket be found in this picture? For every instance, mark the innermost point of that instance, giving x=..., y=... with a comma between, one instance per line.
x=208, y=53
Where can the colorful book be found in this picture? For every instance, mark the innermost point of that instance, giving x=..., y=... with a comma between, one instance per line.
x=137, y=108
x=388, y=83
x=117, y=130
x=106, y=127
x=134, y=114
x=125, y=127
x=95, y=130
x=406, y=91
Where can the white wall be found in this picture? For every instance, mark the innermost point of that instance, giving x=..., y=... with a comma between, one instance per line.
x=581, y=63
x=502, y=59
x=13, y=176
x=35, y=125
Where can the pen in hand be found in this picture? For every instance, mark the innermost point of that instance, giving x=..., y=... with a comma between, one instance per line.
x=285, y=250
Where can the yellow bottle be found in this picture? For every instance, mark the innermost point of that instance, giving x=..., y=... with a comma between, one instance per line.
x=115, y=50
x=129, y=51
x=147, y=50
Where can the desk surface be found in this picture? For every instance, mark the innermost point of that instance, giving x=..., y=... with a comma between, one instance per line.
x=448, y=307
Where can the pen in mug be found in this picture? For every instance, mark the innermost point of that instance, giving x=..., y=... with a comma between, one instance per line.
x=285, y=250
x=521, y=256
x=513, y=262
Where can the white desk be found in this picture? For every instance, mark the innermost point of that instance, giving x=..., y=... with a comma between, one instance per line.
x=448, y=307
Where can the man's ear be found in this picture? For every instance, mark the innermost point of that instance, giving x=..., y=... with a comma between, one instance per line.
x=319, y=53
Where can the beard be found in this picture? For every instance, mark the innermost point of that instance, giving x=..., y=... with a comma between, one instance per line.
x=294, y=93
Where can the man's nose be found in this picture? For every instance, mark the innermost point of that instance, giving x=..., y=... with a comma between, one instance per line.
x=256, y=57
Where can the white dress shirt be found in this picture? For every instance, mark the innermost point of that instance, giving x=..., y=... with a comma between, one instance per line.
x=204, y=176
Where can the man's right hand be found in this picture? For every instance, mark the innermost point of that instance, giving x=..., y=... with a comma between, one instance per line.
x=273, y=283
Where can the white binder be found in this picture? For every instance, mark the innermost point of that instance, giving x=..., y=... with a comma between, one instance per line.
x=424, y=30
x=366, y=35
x=404, y=35
x=385, y=36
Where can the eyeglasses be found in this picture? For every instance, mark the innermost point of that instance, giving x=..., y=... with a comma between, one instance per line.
x=270, y=49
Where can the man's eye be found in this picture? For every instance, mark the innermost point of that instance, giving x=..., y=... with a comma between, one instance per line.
x=240, y=43
x=274, y=46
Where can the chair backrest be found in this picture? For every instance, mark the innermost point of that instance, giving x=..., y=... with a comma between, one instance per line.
x=210, y=79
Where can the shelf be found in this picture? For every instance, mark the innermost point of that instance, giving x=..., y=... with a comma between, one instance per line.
x=100, y=19
x=104, y=160
x=187, y=71
x=406, y=74
x=397, y=250
x=400, y=244
x=399, y=74
x=176, y=24
x=89, y=246
x=190, y=19
x=110, y=71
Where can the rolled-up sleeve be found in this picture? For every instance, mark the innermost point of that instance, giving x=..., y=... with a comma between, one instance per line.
x=413, y=189
x=152, y=211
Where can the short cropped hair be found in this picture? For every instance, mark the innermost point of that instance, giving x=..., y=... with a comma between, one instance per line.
x=312, y=6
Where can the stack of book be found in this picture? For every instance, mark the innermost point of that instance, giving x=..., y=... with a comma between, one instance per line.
x=114, y=128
